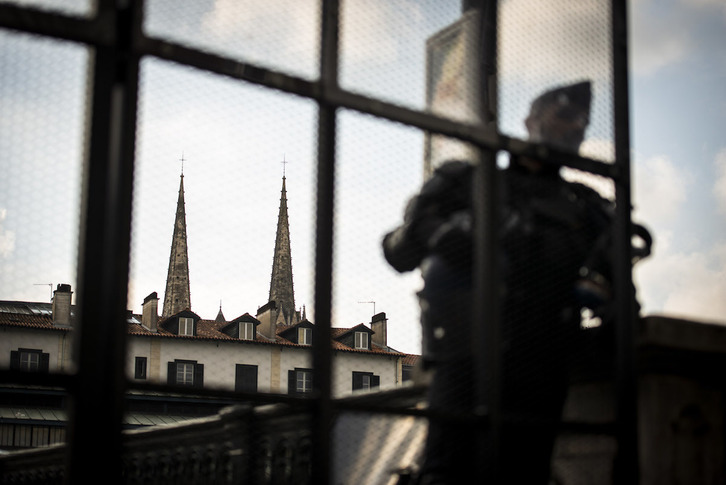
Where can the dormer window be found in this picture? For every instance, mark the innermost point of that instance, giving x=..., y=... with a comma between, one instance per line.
x=186, y=326
x=246, y=330
x=304, y=336
x=361, y=340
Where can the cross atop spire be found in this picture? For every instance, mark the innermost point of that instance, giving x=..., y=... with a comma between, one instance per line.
x=284, y=163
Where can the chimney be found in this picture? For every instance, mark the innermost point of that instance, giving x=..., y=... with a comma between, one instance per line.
x=149, y=312
x=266, y=314
x=379, y=325
x=61, y=305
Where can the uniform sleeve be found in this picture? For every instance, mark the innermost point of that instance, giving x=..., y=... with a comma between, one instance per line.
x=443, y=194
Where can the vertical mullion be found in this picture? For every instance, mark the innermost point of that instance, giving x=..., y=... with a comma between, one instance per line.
x=486, y=320
x=96, y=408
x=626, y=470
x=322, y=414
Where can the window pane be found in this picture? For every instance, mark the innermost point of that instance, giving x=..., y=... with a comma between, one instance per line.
x=42, y=101
x=237, y=143
x=276, y=34
x=550, y=43
x=380, y=168
x=383, y=46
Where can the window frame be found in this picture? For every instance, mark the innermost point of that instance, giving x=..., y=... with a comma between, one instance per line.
x=30, y=360
x=177, y=366
x=297, y=376
x=140, y=367
x=362, y=340
x=116, y=40
x=247, y=331
x=22, y=360
x=186, y=326
x=305, y=336
x=243, y=381
x=365, y=381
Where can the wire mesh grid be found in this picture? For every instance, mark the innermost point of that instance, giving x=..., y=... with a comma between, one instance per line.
x=224, y=196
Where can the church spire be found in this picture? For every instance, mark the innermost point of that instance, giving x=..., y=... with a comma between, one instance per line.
x=177, y=296
x=281, y=288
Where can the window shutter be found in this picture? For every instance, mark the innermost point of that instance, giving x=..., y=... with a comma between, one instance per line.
x=198, y=375
x=375, y=381
x=14, y=360
x=44, y=362
x=291, y=382
x=246, y=378
x=171, y=373
x=357, y=381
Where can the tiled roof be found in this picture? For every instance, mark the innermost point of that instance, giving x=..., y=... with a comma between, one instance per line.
x=27, y=314
x=410, y=359
x=38, y=315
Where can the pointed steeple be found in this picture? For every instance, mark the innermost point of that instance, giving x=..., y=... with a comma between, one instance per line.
x=281, y=287
x=177, y=296
x=220, y=315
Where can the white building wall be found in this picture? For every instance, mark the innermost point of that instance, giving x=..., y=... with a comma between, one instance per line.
x=345, y=363
x=219, y=359
x=273, y=363
x=56, y=344
x=292, y=358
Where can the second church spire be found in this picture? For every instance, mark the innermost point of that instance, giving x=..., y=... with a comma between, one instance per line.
x=281, y=286
x=177, y=296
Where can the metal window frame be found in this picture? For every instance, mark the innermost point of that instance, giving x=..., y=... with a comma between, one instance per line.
x=114, y=32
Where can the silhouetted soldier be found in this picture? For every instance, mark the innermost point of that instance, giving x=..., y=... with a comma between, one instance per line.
x=552, y=265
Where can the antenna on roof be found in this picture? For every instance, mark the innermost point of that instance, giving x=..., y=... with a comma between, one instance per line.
x=46, y=284
x=182, y=163
x=374, y=305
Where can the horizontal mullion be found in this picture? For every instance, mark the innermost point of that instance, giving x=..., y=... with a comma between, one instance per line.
x=475, y=133
x=97, y=30
x=100, y=30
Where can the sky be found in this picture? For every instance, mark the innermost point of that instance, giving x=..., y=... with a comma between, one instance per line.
x=234, y=137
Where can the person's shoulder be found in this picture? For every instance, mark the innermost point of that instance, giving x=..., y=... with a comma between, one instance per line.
x=454, y=168
x=590, y=196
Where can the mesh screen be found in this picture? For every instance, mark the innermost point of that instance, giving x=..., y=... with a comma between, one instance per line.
x=275, y=34
x=221, y=291
x=232, y=146
x=42, y=99
x=76, y=7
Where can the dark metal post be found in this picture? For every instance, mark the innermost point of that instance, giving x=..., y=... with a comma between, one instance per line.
x=486, y=322
x=626, y=469
x=98, y=390
x=323, y=413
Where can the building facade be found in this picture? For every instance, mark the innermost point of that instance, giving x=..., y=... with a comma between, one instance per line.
x=269, y=352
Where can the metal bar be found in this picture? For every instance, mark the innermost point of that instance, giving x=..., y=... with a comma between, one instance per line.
x=97, y=403
x=97, y=30
x=100, y=31
x=486, y=321
x=324, y=230
x=626, y=469
x=481, y=134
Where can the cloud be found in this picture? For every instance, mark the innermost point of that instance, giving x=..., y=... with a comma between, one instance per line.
x=270, y=31
x=719, y=187
x=666, y=33
x=659, y=189
x=682, y=284
x=373, y=31
x=540, y=40
x=660, y=37
x=7, y=238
